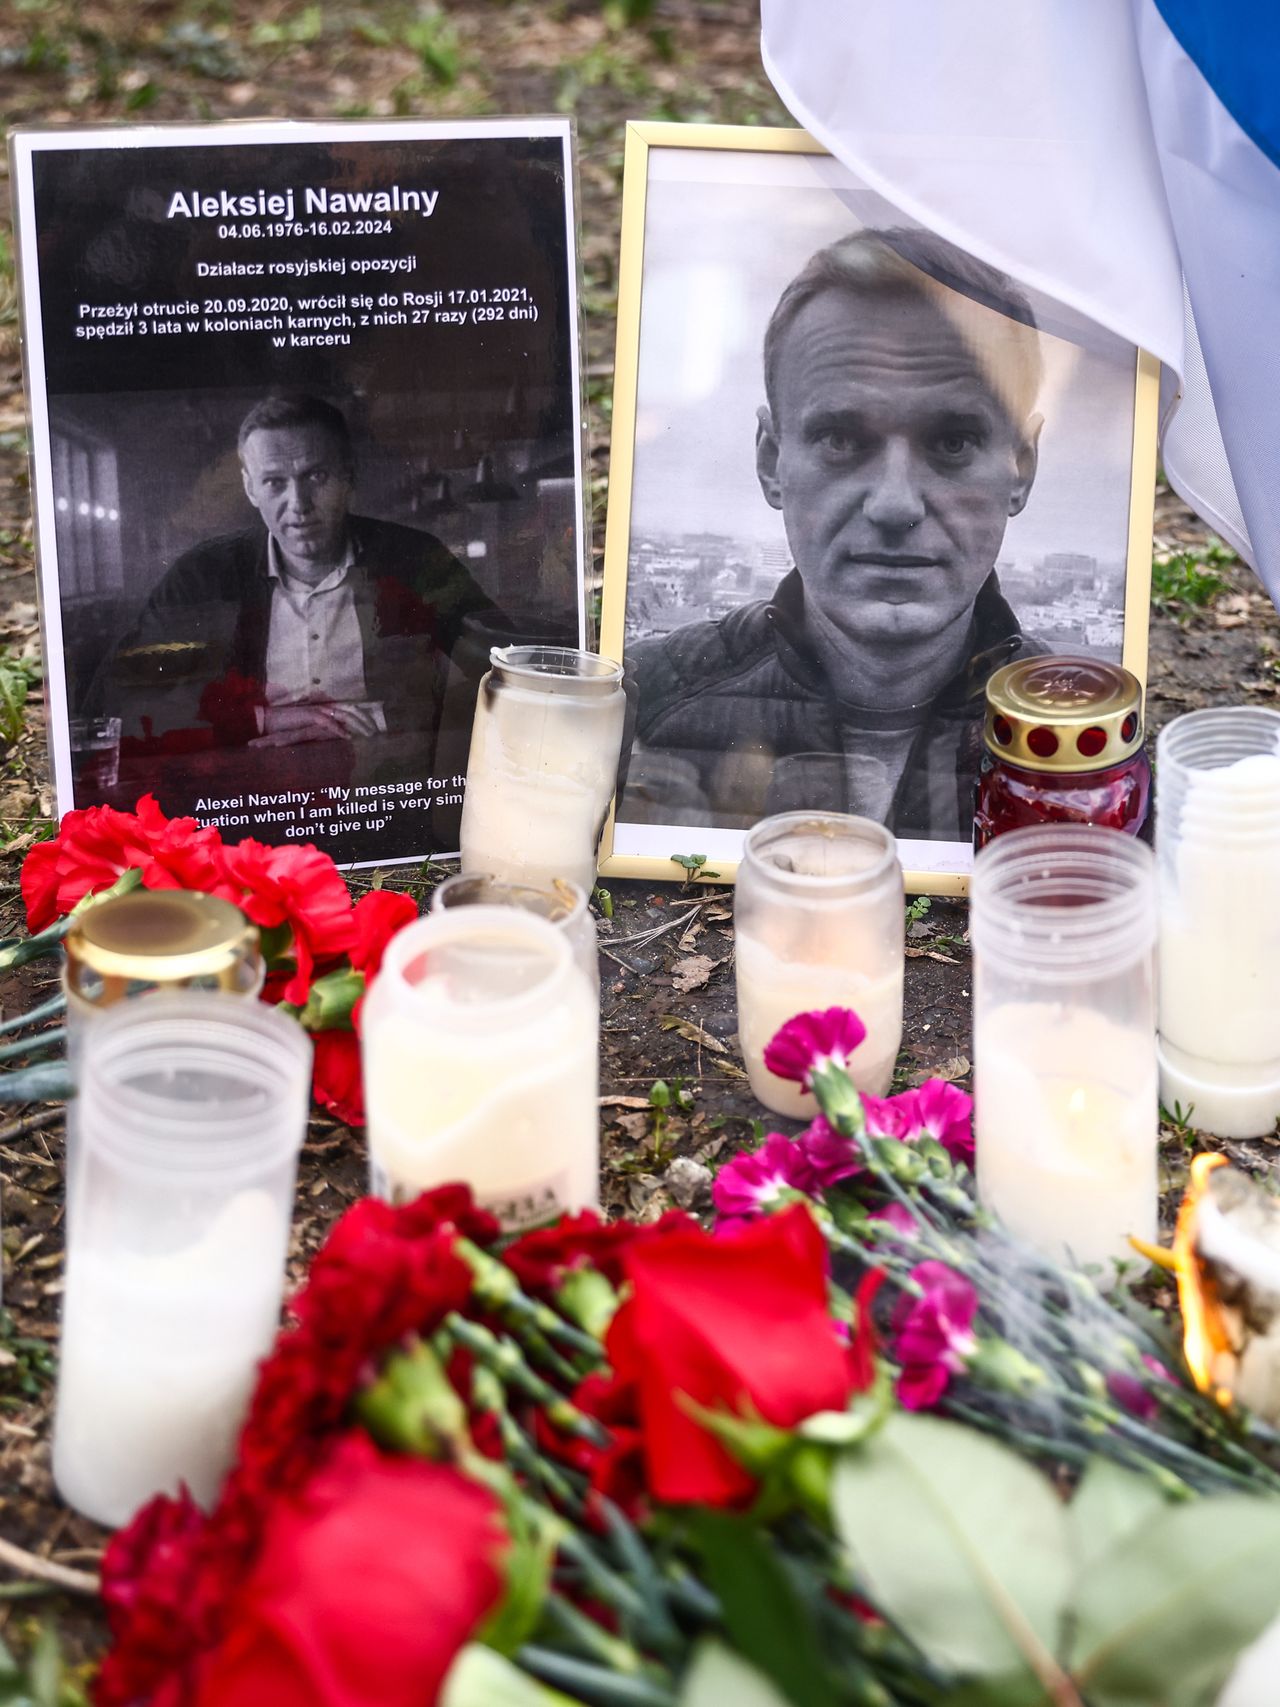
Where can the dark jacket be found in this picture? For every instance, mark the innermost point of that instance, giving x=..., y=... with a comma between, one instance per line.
x=197, y=654
x=736, y=720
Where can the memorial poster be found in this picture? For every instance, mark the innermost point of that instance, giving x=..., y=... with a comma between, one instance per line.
x=306, y=441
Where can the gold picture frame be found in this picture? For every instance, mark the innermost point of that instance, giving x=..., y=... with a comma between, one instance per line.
x=629, y=847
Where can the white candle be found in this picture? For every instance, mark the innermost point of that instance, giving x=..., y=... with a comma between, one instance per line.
x=480, y=1046
x=772, y=990
x=1219, y=960
x=158, y=1359
x=1066, y=1125
x=542, y=766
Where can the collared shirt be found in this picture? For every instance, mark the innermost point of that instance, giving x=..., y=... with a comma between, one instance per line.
x=315, y=651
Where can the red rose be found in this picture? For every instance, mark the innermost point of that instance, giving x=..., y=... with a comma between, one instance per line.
x=299, y=886
x=377, y=917
x=366, y=1586
x=336, y=1083
x=541, y=1259
x=735, y=1323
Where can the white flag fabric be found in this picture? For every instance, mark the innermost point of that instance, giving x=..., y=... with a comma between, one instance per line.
x=1120, y=158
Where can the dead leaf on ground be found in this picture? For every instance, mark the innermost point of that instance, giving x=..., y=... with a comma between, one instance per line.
x=691, y=1032
x=624, y=1102
x=692, y=972
x=636, y=1126
x=958, y=1067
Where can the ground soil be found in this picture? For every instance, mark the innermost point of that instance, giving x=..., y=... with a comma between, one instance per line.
x=668, y=1014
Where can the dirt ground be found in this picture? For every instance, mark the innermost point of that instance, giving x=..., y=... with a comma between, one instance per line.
x=674, y=1091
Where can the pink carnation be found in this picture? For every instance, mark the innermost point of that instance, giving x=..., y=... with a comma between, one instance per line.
x=753, y=1182
x=807, y=1042
x=935, y=1337
x=830, y=1156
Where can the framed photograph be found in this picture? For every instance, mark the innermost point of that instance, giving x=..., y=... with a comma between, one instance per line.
x=853, y=472
x=306, y=420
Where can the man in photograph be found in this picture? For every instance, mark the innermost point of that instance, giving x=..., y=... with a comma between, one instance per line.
x=315, y=624
x=898, y=436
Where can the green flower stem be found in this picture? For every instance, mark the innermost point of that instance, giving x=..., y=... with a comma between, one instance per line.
x=605, y=1584
x=36, y=1045
x=1021, y=1438
x=496, y=1289
x=43, y=1081
x=591, y=1638
x=509, y=1365
x=19, y=950
x=1162, y=1446
x=46, y=1010
x=596, y=1685
x=489, y=1395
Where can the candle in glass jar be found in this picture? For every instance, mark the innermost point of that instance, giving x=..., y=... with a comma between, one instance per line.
x=158, y=1359
x=1218, y=862
x=193, y=1110
x=818, y=923
x=1066, y=1116
x=1066, y=1123
x=480, y=1047
x=543, y=763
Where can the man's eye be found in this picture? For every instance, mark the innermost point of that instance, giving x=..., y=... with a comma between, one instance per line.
x=955, y=444
x=837, y=441
x=319, y=477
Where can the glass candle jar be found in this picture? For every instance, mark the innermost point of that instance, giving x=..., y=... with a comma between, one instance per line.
x=192, y=1114
x=1218, y=861
x=562, y=902
x=819, y=923
x=1063, y=743
x=544, y=761
x=480, y=1045
x=1066, y=1115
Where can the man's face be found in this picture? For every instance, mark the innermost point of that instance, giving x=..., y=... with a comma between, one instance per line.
x=298, y=480
x=893, y=463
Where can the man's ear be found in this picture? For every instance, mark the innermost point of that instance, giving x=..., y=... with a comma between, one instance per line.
x=248, y=486
x=767, y=458
x=1026, y=461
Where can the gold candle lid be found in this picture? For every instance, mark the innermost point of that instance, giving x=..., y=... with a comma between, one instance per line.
x=161, y=936
x=1064, y=714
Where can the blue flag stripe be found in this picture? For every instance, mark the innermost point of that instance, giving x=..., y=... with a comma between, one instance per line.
x=1235, y=45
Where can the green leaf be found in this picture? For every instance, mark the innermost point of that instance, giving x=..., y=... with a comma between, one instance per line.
x=481, y=1678
x=14, y=682
x=764, y=1614
x=1164, y=1616
x=719, y=1678
x=1109, y=1505
x=960, y=1542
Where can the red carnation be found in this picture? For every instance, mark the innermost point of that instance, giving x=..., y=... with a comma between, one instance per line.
x=336, y=1082
x=541, y=1259
x=299, y=886
x=93, y=847
x=149, y=1576
x=181, y=855
x=377, y=917
x=346, y=1606
x=735, y=1323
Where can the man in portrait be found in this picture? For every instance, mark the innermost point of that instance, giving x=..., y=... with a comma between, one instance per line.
x=314, y=624
x=897, y=437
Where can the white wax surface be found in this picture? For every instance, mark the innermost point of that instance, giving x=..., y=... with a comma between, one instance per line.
x=540, y=777
x=513, y=1113
x=1066, y=1122
x=773, y=989
x=1220, y=919
x=158, y=1359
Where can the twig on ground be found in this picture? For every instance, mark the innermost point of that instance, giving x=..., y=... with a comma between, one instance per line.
x=44, y=1570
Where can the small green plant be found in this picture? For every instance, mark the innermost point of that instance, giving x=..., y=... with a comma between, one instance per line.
x=603, y=900
x=918, y=909
x=694, y=866
x=434, y=38
x=40, y=1677
x=27, y=1366
x=16, y=676
x=296, y=31
x=1189, y=579
x=665, y=1098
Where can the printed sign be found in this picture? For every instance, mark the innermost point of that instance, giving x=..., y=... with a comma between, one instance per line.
x=306, y=429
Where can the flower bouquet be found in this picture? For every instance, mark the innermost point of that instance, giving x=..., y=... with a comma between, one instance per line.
x=854, y=1446
x=319, y=947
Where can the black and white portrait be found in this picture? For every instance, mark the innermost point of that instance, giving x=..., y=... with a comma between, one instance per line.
x=868, y=471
